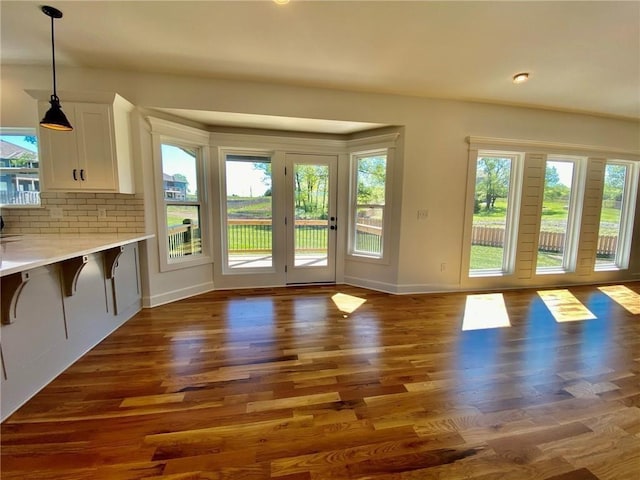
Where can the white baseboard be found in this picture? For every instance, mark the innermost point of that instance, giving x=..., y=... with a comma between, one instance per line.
x=175, y=295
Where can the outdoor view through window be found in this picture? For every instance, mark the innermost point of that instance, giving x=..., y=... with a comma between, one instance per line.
x=19, y=179
x=182, y=200
x=490, y=212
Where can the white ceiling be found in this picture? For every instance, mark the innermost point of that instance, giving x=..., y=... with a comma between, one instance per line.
x=582, y=56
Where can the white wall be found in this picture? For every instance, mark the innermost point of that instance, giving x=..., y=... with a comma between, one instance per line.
x=433, y=175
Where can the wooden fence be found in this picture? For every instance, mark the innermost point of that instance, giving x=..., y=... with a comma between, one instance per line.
x=548, y=241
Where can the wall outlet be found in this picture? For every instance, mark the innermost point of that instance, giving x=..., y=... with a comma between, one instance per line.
x=102, y=212
x=55, y=212
x=423, y=214
x=443, y=267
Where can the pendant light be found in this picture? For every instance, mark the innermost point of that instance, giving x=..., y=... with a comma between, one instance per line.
x=54, y=119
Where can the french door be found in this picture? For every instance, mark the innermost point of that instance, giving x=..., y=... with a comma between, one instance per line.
x=311, y=221
x=278, y=222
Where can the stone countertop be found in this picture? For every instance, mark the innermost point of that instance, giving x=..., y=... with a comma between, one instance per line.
x=24, y=252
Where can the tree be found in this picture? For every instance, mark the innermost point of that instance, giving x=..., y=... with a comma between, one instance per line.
x=551, y=177
x=553, y=189
x=492, y=179
x=311, y=182
x=614, y=180
x=372, y=173
x=24, y=160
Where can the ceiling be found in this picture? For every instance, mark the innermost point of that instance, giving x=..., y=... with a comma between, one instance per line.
x=582, y=56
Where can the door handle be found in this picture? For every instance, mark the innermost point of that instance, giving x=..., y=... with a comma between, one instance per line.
x=75, y=174
x=82, y=174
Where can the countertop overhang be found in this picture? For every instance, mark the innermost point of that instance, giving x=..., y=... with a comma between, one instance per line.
x=24, y=252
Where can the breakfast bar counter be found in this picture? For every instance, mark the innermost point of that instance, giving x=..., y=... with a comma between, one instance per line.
x=23, y=252
x=61, y=294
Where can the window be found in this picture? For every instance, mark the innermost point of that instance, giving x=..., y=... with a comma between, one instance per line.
x=368, y=204
x=249, y=212
x=182, y=200
x=616, y=215
x=180, y=156
x=19, y=176
x=560, y=215
x=495, y=208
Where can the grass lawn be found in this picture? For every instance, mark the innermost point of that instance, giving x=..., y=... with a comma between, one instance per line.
x=553, y=217
x=491, y=257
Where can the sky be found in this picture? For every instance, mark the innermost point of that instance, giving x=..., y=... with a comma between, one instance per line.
x=19, y=140
x=242, y=179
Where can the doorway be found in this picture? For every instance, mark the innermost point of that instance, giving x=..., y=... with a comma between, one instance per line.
x=278, y=219
x=311, y=220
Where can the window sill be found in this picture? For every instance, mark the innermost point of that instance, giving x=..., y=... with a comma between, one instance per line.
x=488, y=273
x=367, y=259
x=20, y=207
x=196, y=261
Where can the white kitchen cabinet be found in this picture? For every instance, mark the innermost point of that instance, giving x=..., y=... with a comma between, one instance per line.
x=95, y=156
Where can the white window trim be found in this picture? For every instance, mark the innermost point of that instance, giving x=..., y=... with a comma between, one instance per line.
x=623, y=253
x=576, y=203
x=226, y=270
x=383, y=258
x=24, y=131
x=513, y=213
x=164, y=132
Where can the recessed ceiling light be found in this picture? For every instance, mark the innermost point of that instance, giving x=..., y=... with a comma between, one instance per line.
x=281, y=2
x=521, y=77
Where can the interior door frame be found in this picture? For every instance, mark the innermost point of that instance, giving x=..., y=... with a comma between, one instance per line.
x=311, y=274
x=277, y=147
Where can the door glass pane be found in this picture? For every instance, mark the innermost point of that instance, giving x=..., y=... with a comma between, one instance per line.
x=249, y=212
x=615, y=179
x=552, y=244
x=311, y=197
x=490, y=213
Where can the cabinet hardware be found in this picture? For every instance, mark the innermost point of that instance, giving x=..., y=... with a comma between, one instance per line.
x=75, y=175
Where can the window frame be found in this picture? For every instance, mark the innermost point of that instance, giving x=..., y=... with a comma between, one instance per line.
x=251, y=156
x=167, y=133
x=353, y=205
x=574, y=217
x=24, y=131
x=513, y=213
x=627, y=216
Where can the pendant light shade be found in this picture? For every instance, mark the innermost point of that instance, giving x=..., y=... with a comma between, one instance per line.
x=55, y=119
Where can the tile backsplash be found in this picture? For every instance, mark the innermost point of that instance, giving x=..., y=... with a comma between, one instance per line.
x=78, y=213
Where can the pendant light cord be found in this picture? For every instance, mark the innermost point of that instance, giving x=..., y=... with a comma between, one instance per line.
x=53, y=57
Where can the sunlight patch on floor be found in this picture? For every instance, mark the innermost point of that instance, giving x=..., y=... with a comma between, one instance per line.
x=623, y=296
x=485, y=310
x=564, y=306
x=347, y=303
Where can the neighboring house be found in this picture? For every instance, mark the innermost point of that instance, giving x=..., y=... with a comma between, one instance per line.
x=19, y=180
x=175, y=188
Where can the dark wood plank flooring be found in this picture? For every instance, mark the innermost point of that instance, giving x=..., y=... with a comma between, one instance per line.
x=282, y=384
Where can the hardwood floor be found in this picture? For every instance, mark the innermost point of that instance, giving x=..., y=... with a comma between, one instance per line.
x=282, y=384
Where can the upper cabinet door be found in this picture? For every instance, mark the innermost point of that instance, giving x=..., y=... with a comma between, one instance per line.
x=97, y=164
x=95, y=156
